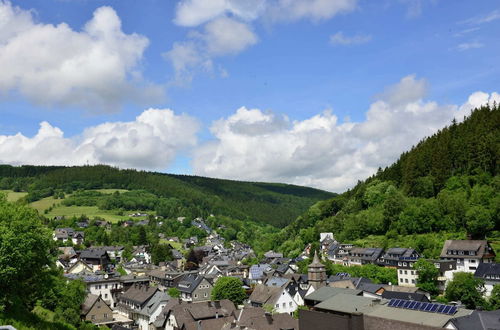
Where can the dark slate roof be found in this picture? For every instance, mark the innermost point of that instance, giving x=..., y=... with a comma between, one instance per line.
x=478, y=320
x=257, y=318
x=369, y=287
x=405, y=296
x=189, y=282
x=481, y=248
x=488, y=271
x=94, y=253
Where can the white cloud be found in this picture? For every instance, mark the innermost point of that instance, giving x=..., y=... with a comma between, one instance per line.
x=315, y=10
x=220, y=37
x=96, y=68
x=320, y=151
x=227, y=36
x=224, y=27
x=340, y=39
x=150, y=142
x=490, y=17
x=469, y=45
x=195, y=12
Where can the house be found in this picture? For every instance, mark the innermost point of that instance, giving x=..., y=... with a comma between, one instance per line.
x=141, y=255
x=490, y=274
x=135, y=299
x=275, y=296
x=164, y=279
x=271, y=255
x=96, y=310
x=178, y=314
x=258, y=272
x=326, y=293
x=68, y=234
x=98, y=258
x=101, y=285
x=79, y=267
x=477, y=320
x=467, y=253
x=348, y=311
x=395, y=257
x=364, y=256
x=147, y=315
x=194, y=287
x=339, y=254
x=408, y=276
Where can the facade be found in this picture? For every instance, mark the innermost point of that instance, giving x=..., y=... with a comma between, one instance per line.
x=95, y=310
x=394, y=257
x=277, y=297
x=467, y=253
x=364, y=256
x=194, y=287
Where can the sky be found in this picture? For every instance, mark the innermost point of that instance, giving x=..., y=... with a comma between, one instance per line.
x=311, y=92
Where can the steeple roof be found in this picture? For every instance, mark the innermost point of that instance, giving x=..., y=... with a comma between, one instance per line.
x=316, y=263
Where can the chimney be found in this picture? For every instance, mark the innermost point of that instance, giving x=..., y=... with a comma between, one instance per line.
x=269, y=318
x=216, y=315
x=199, y=327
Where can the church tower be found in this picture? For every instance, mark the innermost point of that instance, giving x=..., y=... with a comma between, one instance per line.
x=316, y=273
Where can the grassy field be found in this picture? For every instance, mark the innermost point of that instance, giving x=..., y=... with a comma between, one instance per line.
x=91, y=212
x=44, y=203
x=13, y=196
x=110, y=191
x=175, y=245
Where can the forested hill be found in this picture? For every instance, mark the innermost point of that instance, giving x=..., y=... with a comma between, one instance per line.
x=446, y=186
x=275, y=204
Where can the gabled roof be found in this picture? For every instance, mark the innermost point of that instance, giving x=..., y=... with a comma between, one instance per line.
x=188, y=282
x=257, y=318
x=89, y=302
x=263, y=294
x=138, y=294
x=487, y=271
x=93, y=253
x=481, y=247
x=154, y=303
x=478, y=320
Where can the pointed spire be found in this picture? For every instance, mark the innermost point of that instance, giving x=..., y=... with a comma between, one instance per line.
x=316, y=259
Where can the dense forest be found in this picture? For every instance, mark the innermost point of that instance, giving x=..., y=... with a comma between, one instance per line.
x=445, y=187
x=189, y=196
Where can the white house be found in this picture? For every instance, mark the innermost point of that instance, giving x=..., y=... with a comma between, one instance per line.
x=277, y=297
x=467, y=253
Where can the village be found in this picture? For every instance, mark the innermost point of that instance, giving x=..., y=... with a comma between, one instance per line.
x=138, y=294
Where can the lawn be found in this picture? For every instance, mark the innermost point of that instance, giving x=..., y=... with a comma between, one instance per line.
x=13, y=196
x=91, y=212
x=175, y=245
x=44, y=203
x=110, y=191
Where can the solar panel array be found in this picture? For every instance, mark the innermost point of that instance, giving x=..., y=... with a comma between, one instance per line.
x=423, y=306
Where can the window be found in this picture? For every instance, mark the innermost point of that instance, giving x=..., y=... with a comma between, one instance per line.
x=195, y=295
x=412, y=272
x=105, y=295
x=290, y=304
x=284, y=305
x=400, y=280
x=406, y=272
x=92, y=317
x=406, y=280
x=105, y=315
x=413, y=281
x=205, y=294
x=105, y=286
x=472, y=261
x=277, y=305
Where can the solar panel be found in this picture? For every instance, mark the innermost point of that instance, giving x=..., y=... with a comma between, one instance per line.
x=453, y=310
x=440, y=308
x=401, y=303
x=391, y=303
x=423, y=306
x=434, y=308
x=411, y=304
x=407, y=303
x=446, y=310
x=417, y=306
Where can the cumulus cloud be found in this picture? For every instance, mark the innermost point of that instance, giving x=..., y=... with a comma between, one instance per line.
x=225, y=28
x=150, y=142
x=96, y=68
x=221, y=36
x=340, y=39
x=320, y=151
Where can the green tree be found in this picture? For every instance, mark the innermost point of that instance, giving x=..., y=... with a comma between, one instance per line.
x=466, y=288
x=494, y=300
x=24, y=254
x=161, y=253
x=174, y=292
x=142, y=236
x=479, y=221
x=427, y=276
x=229, y=288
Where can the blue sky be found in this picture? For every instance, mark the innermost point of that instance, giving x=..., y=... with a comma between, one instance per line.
x=312, y=92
